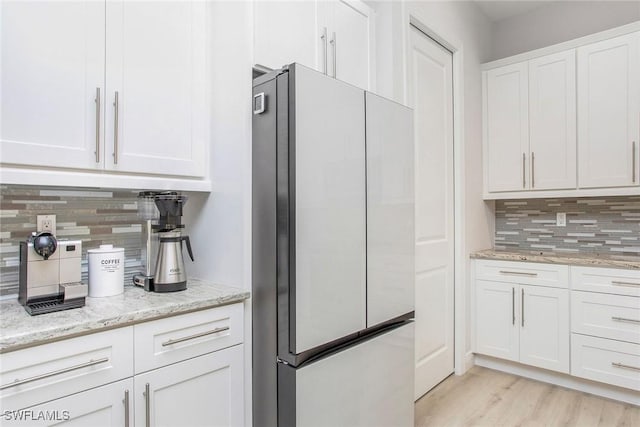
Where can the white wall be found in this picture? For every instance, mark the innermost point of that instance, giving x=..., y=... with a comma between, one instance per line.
x=219, y=223
x=558, y=22
x=464, y=26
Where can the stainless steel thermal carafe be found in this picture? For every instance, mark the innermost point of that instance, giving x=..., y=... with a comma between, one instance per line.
x=170, y=274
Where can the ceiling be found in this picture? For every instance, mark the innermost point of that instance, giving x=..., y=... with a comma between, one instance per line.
x=499, y=10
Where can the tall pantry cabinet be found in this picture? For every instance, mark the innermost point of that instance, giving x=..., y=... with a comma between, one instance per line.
x=106, y=86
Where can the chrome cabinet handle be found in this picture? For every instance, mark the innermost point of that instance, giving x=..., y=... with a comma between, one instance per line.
x=194, y=336
x=518, y=273
x=115, y=129
x=126, y=408
x=623, y=366
x=513, y=306
x=524, y=178
x=533, y=169
x=147, y=405
x=618, y=283
x=324, y=45
x=334, y=44
x=633, y=156
x=18, y=382
x=624, y=319
x=97, y=100
x=522, y=306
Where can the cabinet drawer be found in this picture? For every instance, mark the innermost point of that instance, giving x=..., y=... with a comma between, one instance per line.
x=165, y=341
x=527, y=273
x=606, y=280
x=608, y=316
x=607, y=361
x=38, y=374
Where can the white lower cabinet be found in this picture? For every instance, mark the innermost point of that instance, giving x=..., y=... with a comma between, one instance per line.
x=206, y=390
x=544, y=327
x=108, y=406
x=585, y=321
x=188, y=371
x=523, y=323
x=605, y=325
x=497, y=333
x=608, y=361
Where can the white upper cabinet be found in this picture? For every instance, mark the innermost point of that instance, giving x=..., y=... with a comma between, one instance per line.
x=609, y=112
x=64, y=66
x=52, y=67
x=334, y=37
x=156, y=64
x=506, y=128
x=350, y=42
x=572, y=112
x=286, y=32
x=552, y=121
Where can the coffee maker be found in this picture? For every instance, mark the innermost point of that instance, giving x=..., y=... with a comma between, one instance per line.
x=170, y=274
x=49, y=277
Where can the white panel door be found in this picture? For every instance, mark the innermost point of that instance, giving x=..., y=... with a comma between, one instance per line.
x=99, y=407
x=496, y=322
x=330, y=209
x=552, y=121
x=156, y=63
x=369, y=384
x=507, y=128
x=350, y=43
x=431, y=96
x=609, y=112
x=390, y=210
x=544, y=327
x=204, y=391
x=286, y=32
x=52, y=66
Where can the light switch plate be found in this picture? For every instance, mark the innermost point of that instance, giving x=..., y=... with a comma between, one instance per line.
x=561, y=219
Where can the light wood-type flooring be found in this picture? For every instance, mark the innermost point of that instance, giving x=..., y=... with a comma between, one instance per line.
x=484, y=397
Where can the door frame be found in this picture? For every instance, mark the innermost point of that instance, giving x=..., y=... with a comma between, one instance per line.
x=463, y=357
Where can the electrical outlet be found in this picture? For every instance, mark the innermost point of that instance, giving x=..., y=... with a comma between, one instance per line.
x=46, y=223
x=561, y=219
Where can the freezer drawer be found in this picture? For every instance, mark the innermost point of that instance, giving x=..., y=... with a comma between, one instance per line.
x=369, y=384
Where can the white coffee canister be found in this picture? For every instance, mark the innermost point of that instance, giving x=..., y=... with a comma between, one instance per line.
x=106, y=271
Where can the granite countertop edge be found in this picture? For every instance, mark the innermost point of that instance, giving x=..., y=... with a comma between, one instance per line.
x=585, y=260
x=19, y=330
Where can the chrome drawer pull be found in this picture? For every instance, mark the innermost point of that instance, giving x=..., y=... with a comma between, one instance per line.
x=617, y=283
x=147, y=405
x=97, y=100
x=519, y=273
x=18, y=382
x=623, y=366
x=126, y=408
x=194, y=336
x=624, y=319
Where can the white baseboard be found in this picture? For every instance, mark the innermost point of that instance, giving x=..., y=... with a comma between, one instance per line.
x=467, y=363
x=563, y=380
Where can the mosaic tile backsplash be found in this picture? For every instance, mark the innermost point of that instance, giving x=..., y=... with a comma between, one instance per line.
x=94, y=216
x=603, y=225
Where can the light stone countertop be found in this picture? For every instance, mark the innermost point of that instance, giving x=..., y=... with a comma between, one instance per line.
x=581, y=259
x=19, y=330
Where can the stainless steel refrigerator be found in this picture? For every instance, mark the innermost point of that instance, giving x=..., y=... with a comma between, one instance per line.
x=333, y=254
